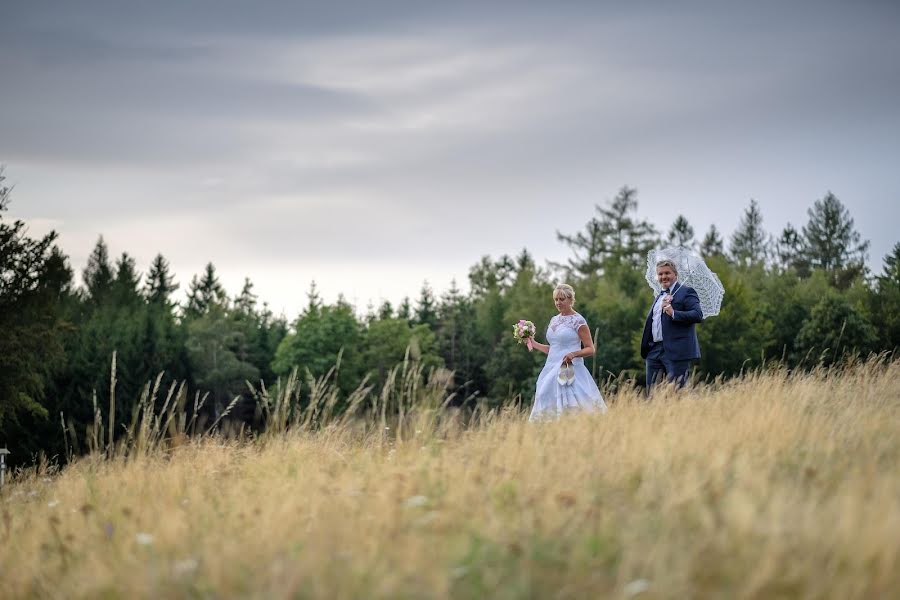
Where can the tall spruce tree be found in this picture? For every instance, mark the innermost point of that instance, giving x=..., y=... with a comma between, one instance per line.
x=245, y=303
x=205, y=293
x=615, y=237
x=313, y=300
x=490, y=275
x=631, y=238
x=272, y=330
x=98, y=274
x=246, y=320
x=449, y=333
x=790, y=251
x=890, y=275
x=885, y=302
x=160, y=284
x=125, y=286
x=404, y=311
x=385, y=311
x=749, y=243
x=712, y=244
x=832, y=243
x=34, y=277
x=218, y=355
x=426, y=311
x=590, y=248
x=681, y=233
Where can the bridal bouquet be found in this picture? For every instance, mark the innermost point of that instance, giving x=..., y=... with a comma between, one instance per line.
x=523, y=331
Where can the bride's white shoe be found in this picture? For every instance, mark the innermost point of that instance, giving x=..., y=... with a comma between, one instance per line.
x=566, y=374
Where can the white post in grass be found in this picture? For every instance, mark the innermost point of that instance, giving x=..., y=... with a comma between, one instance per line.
x=3, y=453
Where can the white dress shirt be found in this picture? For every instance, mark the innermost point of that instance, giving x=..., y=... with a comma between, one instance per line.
x=656, y=325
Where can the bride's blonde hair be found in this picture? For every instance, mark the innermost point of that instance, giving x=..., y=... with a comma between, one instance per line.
x=566, y=290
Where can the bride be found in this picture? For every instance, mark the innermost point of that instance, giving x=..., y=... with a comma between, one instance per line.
x=565, y=383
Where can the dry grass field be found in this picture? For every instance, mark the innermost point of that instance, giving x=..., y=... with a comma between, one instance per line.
x=770, y=486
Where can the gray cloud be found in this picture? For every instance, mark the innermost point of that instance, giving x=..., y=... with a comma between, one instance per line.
x=407, y=134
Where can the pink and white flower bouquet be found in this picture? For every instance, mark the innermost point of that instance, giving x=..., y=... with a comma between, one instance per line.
x=523, y=331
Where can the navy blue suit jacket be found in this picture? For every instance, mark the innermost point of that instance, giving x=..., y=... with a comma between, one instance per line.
x=679, y=334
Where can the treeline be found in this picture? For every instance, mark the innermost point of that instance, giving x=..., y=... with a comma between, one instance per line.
x=802, y=297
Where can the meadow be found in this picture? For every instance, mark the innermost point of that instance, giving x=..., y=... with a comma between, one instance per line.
x=771, y=485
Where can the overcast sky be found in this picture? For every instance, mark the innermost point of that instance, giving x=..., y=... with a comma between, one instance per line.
x=374, y=145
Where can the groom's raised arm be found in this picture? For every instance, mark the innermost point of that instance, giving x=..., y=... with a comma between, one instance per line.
x=693, y=313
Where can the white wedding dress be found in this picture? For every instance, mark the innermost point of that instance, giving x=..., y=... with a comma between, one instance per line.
x=552, y=398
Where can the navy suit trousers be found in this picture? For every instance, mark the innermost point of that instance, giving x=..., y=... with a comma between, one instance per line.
x=659, y=367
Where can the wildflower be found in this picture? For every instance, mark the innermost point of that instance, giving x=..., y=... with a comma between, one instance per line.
x=459, y=572
x=144, y=539
x=427, y=518
x=638, y=586
x=416, y=501
x=185, y=566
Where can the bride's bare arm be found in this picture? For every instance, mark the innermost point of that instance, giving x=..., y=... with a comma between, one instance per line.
x=542, y=347
x=587, y=345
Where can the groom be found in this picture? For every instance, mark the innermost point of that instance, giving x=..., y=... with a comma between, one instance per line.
x=669, y=343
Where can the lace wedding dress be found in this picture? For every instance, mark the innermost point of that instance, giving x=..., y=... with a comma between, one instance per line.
x=551, y=397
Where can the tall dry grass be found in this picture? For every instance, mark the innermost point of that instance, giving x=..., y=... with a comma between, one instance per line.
x=771, y=486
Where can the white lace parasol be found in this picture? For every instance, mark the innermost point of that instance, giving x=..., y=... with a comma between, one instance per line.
x=692, y=272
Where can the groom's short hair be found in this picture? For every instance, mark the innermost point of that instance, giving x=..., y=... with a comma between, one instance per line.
x=667, y=263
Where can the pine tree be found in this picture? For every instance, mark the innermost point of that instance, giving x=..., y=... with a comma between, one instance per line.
x=126, y=283
x=385, y=311
x=712, y=243
x=450, y=333
x=461, y=342
x=891, y=272
x=248, y=346
x=749, y=244
x=832, y=243
x=885, y=302
x=5, y=191
x=344, y=304
x=205, y=293
x=218, y=353
x=489, y=275
x=681, y=233
x=404, y=311
x=314, y=302
x=370, y=313
x=524, y=261
x=160, y=284
x=790, y=251
x=271, y=330
x=590, y=248
x=34, y=278
x=98, y=274
x=631, y=238
x=426, y=312
x=614, y=238
x=245, y=303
